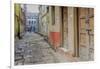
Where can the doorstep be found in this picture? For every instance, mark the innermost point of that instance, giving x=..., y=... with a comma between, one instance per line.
x=67, y=54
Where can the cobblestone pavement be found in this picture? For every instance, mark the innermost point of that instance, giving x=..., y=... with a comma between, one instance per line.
x=33, y=49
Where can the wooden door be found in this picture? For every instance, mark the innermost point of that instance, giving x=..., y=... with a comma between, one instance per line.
x=64, y=27
x=86, y=28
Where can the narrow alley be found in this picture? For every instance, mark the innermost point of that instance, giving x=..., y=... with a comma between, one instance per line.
x=52, y=34
x=35, y=50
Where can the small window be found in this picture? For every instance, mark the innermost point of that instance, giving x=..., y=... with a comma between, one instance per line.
x=47, y=9
x=34, y=21
x=29, y=22
x=53, y=15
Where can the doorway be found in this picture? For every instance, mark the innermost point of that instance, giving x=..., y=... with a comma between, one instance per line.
x=64, y=28
x=86, y=33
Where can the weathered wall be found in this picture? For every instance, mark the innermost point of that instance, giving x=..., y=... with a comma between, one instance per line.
x=55, y=29
x=19, y=25
x=65, y=28
x=43, y=21
x=71, y=29
x=16, y=17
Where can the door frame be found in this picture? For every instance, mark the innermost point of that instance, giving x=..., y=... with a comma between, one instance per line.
x=76, y=33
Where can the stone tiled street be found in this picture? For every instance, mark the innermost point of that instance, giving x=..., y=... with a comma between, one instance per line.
x=52, y=34
x=33, y=49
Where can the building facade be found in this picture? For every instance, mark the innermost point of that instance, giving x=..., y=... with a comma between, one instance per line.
x=32, y=22
x=43, y=20
x=70, y=29
x=19, y=16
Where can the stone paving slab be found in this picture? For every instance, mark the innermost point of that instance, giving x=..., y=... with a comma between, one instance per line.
x=37, y=51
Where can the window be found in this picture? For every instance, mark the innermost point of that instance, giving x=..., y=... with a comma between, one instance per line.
x=29, y=22
x=32, y=22
x=53, y=15
x=47, y=9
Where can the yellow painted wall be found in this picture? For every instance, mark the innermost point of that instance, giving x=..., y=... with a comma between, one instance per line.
x=16, y=15
x=18, y=19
